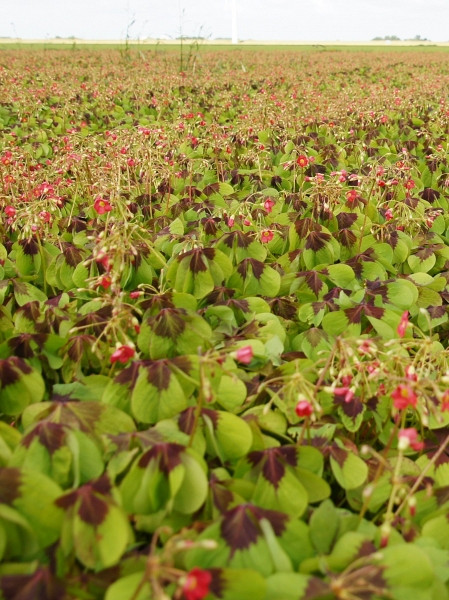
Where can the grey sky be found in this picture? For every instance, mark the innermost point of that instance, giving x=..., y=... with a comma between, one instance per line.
x=257, y=19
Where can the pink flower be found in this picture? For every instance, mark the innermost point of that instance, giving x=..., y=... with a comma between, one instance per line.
x=410, y=373
x=45, y=216
x=389, y=214
x=266, y=236
x=268, y=204
x=404, y=396
x=196, y=584
x=122, y=354
x=102, y=206
x=10, y=211
x=344, y=391
x=244, y=355
x=409, y=438
x=403, y=323
x=303, y=408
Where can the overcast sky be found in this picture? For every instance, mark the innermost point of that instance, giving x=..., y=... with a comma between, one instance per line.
x=319, y=20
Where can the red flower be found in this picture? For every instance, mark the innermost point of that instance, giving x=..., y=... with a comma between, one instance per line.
x=122, y=354
x=303, y=408
x=404, y=396
x=403, y=323
x=10, y=211
x=105, y=282
x=409, y=438
x=196, y=585
x=445, y=402
x=268, y=204
x=302, y=161
x=102, y=206
x=266, y=236
x=244, y=355
x=45, y=216
x=351, y=196
x=103, y=260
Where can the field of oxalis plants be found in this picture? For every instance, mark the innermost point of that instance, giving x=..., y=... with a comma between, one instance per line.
x=224, y=363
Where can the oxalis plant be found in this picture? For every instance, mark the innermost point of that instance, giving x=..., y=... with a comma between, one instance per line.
x=224, y=326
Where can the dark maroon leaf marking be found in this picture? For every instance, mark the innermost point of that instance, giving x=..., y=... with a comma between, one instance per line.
x=377, y=287
x=356, y=262
x=83, y=415
x=221, y=496
x=11, y=369
x=346, y=219
x=442, y=495
x=430, y=195
x=346, y=237
x=210, y=189
x=73, y=255
x=98, y=319
x=237, y=238
x=102, y=485
x=169, y=323
x=317, y=590
x=213, y=416
x=305, y=226
x=240, y=525
x=51, y=436
x=10, y=480
x=128, y=376
x=92, y=510
x=158, y=302
x=21, y=344
x=352, y=408
x=436, y=312
x=392, y=238
x=78, y=345
x=372, y=403
x=218, y=584
x=355, y=314
x=315, y=335
x=30, y=246
x=339, y=455
x=186, y=420
x=41, y=585
x=273, y=461
x=317, y=240
x=158, y=374
x=199, y=258
x=168, y=456
x=257, y=267
x=313, y=281
x=31, y=310
x=425, y=252
x=283, y=307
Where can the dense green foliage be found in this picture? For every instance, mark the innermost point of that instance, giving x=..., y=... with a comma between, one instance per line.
x=224, y=328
